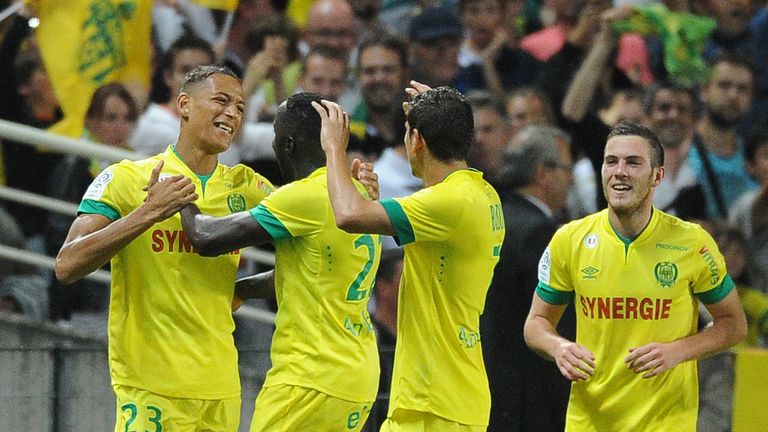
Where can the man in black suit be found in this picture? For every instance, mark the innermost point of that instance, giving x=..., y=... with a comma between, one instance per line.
x=527, y=392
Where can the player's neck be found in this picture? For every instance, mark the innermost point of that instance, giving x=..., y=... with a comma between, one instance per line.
x=200, y=162
x=629, y=224
x=436, y=171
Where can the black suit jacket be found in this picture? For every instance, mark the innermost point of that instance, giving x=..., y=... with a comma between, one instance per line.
x=528, y=393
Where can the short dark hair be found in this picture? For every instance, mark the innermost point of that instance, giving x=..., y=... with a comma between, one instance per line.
x=444, y=119
x=325, y=52
x=756, y=139
x=201, y=73
x=627, y=128
x=186, y=42
x=655, y=88
x=100, y=96
x=735, y=60
x=388, y=41
x=300, y=118
x=484, y=99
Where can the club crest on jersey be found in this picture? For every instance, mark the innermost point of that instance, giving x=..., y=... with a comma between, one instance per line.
x=236, y=202
x=666, y=274
x=591, y=241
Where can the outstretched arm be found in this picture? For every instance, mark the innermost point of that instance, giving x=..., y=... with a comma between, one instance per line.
x=575, y=362
x=94, y=239
x=729, y=327
x=212, y=236
x=352, y=211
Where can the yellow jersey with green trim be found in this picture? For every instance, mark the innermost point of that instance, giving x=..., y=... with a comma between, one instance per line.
x=324, y=337
x=628, y=294
x=170, y=319
x=452, y=234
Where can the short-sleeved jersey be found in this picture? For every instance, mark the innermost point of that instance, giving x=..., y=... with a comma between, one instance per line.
x=452, y=234
x=628, y=294
x=323, y=338
x=170, y=320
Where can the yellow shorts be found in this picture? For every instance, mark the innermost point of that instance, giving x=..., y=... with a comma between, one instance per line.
x=287, y=408
x=417, y=421
x=140, y=410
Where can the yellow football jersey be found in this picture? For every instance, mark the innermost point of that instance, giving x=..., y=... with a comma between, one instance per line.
x=628, y=294
x=452, y=233
x=170, y=320
x=755, y=305
x=323, y=338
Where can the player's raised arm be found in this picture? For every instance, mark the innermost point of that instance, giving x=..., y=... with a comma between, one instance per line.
x=575, y=362
x=94, y=239
x=212, y=236
x=352, y=211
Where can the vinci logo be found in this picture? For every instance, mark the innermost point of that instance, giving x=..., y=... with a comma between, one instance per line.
x=714, y=272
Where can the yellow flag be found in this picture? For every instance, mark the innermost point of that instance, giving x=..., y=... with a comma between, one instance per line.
x=227, y=5
x=88, y=43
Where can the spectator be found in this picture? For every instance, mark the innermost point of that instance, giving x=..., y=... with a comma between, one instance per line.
x=26, y=97
x=529, y=106
x=492, y=133
x=717, y=155
x=272, y=71
x=671, y=112
x=323, y=72
x=331, y=23
x=489, y=56
x=383, y=70
x=435, y=37
x=527, y=393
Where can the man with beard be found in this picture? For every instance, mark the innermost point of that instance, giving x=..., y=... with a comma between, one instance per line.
x=671, y=112
x=717, y=156
x=636, y=275
x=383, y=68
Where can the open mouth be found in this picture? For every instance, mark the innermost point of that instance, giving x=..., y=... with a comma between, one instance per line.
x=224, y=127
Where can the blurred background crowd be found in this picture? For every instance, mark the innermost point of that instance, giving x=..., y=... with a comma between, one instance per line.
x=547, y=79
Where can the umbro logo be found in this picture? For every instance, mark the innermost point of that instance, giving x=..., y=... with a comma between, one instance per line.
x=589, y=272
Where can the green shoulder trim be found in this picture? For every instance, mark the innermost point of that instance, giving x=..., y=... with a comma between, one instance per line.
x=270, y=223
x=399, y=221
x=553, y=296
x=88, y=206
x=718, y=293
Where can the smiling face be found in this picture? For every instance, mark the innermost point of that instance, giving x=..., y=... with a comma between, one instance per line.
x=213, y=110
x=628, y=177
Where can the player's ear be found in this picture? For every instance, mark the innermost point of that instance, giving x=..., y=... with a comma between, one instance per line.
x=658, y=176
x=182, y=105
x=290, y=145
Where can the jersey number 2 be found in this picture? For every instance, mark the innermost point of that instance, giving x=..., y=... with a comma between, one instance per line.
x=354, y=293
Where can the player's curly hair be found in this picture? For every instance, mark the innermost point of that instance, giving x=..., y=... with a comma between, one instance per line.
x=444, y=119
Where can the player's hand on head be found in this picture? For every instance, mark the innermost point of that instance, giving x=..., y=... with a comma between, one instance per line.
x=575, y=362
x=334, y=134
x=168, y=195
x=653, y=359
x=363, y=172
x=417, y=88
